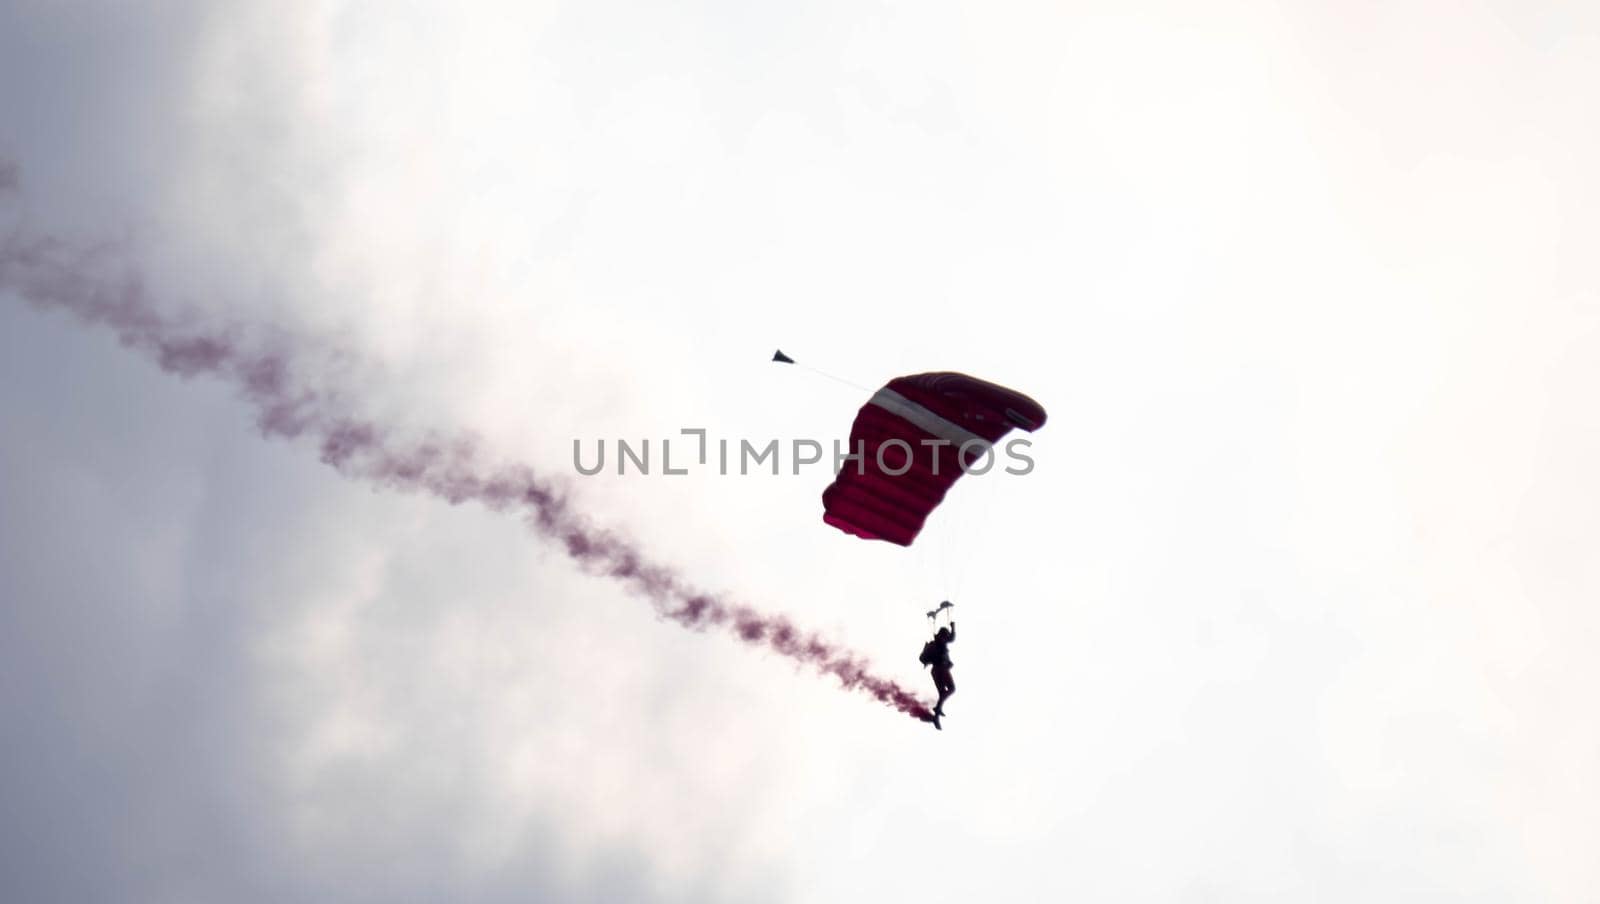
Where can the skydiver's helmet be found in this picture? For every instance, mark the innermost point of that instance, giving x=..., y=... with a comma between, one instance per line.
x=943, y=634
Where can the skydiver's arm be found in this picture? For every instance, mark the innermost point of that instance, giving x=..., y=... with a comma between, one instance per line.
x=952, y=632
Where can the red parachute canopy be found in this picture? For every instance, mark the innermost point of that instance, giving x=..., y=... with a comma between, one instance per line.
x=913, y=436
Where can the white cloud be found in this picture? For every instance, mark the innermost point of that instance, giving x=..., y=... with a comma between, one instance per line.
x=1294, y=605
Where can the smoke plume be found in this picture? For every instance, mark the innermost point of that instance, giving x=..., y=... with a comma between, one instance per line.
x=83, y=280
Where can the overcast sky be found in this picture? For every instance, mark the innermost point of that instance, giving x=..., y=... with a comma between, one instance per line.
x=1298, y=603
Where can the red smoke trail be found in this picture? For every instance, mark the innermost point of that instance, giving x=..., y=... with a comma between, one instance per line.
x=51, y=273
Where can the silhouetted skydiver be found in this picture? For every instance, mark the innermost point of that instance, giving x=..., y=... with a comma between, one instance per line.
x=936, y=653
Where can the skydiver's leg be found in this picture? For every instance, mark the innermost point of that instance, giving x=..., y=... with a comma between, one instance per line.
x=946, y=685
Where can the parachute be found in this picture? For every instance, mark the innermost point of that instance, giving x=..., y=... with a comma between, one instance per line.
x=915, y=437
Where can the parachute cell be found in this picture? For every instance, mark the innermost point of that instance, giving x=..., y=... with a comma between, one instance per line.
x=913, y=437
